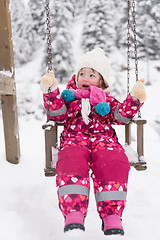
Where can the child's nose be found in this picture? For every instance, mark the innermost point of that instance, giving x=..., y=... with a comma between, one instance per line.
x=85, y=82
x=85, y=78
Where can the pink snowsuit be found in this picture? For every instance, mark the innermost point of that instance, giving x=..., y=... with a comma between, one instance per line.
x=93, y=147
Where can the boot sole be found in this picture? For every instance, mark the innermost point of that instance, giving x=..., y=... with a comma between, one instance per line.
x=74, y=226
x=113, y=231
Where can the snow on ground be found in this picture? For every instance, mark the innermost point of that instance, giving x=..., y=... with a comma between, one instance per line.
x=28, y=203
x=29, y=208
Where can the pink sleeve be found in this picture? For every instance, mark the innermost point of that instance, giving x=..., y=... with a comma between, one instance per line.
x=54, y=105
x=125, y=111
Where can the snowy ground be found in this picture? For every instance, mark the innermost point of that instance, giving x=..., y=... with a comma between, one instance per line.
x=28, y=202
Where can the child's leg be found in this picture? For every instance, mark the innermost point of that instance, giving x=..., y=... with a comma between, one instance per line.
x=73, y=179
x=110, y=175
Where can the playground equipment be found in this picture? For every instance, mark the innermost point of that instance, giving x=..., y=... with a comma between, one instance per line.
x=51, y=129
x=8, y=86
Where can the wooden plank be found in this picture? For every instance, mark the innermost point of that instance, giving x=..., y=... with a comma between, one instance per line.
x=128, y=134
x=140, y=145
x=139, y=121
x=50, y=141
x=140, y=149
x=140, y=165
x=11, y=131
x=6, y=45
x=7, y=85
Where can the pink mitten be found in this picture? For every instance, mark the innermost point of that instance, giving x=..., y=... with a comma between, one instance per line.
x=97, y=95
x=138, y=91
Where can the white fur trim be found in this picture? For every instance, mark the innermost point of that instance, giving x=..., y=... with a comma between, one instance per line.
x=86, y=109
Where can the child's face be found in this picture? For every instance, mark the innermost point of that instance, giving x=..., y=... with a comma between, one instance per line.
x=88, y=77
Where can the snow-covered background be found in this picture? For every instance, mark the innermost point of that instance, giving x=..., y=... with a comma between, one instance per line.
x=28, y=201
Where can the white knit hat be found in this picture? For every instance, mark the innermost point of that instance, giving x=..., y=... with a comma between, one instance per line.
x=96, y=60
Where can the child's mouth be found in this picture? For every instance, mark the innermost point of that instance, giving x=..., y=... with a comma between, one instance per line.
x=85, y=85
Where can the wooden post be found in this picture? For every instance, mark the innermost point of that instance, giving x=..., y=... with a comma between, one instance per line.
x=50, y=141
x=140, y=165
x=140, y=145
x=128, y=133
x=7, y=86
x=11, y=131
x=6, y=48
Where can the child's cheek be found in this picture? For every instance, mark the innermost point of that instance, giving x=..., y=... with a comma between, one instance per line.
x=79, y=84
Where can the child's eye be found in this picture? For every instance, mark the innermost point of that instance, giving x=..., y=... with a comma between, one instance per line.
x=81, y=74
x=92, y=75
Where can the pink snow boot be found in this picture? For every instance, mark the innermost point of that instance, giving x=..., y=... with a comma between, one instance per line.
x=112, y=225
x=74, y=220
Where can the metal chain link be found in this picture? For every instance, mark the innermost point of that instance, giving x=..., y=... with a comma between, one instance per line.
x=135, y=46
x=48, y=33
x=49, y=51
x=135, y=39
x=128, y=47
x=131, y=8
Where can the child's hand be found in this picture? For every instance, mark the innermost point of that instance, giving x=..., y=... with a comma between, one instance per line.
x=138, y=91
x=48, y=81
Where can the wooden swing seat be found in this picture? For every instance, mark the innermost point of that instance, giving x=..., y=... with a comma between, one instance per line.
x=139, y=164
x=51, y=141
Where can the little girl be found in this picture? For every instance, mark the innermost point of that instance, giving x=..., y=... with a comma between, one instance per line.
x=89, y=143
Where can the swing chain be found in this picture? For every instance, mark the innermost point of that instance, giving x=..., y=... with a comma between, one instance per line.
x=128, y=48
x=135, y=45
x=131, y=8
x=49, y=51
x=135, y=39
x=48, y=33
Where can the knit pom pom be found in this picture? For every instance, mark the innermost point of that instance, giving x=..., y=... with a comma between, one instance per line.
x=102, y=108
x=68, y=95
